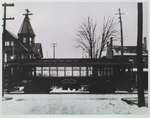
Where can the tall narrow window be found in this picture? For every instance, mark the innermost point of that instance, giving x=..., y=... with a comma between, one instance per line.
x=12, y=43
x=30, y=56
x=11, y=70
x=5, y=57
x=22, y=56
x=30, y=41
x=24, y=40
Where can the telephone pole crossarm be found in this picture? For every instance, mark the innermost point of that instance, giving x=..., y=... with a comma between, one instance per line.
x=11, y=18
x=8, y=4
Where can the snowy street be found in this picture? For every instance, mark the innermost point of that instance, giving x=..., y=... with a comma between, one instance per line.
x=70, y=104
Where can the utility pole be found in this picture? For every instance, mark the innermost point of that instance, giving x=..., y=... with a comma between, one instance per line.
x=121, y=30
x=54, y=46
x=141, y=99
x=5, y=5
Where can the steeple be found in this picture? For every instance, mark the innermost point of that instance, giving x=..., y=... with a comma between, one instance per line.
x=26, y=28
x=26, y=35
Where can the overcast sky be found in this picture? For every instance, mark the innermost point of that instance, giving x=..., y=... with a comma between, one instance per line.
x=59, y=22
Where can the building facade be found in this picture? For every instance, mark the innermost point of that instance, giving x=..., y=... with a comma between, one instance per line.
x=20, y=47
x=130, y=55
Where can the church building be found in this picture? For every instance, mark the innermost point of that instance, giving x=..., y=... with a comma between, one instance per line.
x=20, y=47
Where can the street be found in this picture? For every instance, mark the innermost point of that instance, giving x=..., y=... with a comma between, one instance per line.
x=70, y=104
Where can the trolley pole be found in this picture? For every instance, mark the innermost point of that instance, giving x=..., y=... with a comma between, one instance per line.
x=5, y=5
x=141, y=99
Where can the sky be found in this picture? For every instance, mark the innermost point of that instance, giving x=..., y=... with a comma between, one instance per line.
x=58, y=22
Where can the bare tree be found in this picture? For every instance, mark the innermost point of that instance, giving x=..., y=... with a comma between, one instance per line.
x=108, y=31
x=87, y=38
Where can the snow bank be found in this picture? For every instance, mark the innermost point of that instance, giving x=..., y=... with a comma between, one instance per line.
x=70, y=104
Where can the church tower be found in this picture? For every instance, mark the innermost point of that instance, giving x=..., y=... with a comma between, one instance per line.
x=26, y=36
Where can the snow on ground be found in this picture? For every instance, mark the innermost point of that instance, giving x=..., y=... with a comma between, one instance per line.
x=70, y=104
x=60, y=90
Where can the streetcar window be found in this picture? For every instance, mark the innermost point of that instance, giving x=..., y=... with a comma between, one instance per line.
x=53, y=71
x=61, y=71
x=76, y=71
x=45, y=71
x=68, y=71
x=83, y=71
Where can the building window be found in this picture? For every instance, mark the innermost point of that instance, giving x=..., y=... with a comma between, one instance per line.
x=30, y=56
x=12, y=43
x=22, y=56
x=12, y=71
x=5, y=57
x=7, y=43
x=30, y=41
x=24, y=40
x=12, y=57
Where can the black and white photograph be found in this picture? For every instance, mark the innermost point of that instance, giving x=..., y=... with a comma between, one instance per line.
x=74, y=58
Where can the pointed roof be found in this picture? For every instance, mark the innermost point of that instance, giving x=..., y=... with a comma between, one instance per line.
x=26, y=27
x=11, y=35
x=15, y=38
x=37, y=49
